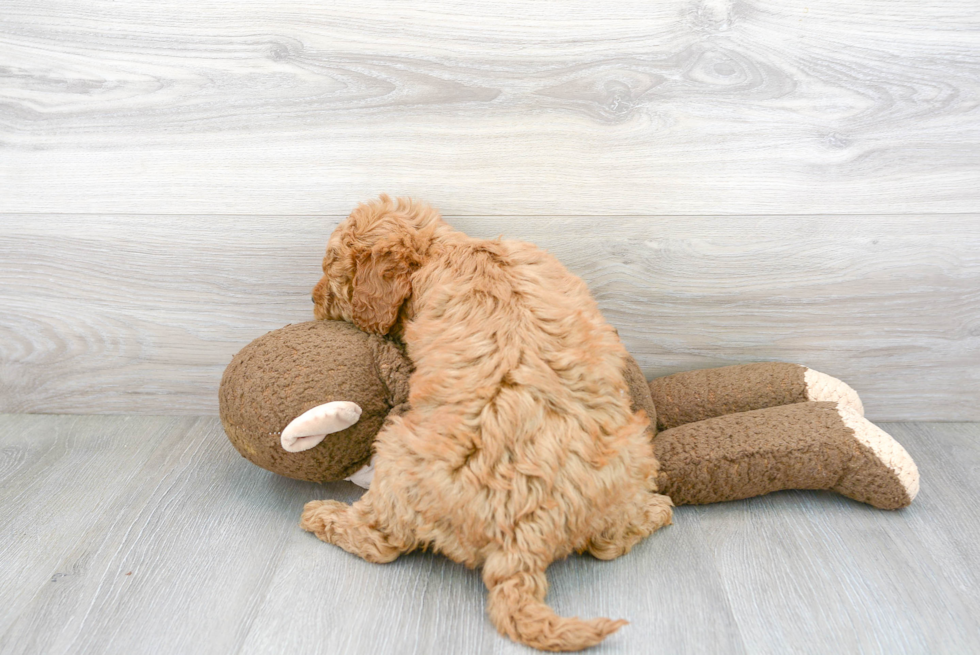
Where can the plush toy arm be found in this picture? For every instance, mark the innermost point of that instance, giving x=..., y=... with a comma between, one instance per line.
x=697, y=395
x=810, y=445
x=363, y=476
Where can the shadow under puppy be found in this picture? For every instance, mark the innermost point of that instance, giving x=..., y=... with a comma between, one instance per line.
x=520, y=446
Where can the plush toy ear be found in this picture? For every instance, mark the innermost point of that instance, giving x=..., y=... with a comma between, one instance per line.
x=381, y=284
x=311, y=427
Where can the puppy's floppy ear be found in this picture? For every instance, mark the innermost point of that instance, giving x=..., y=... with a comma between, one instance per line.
x=382, y=282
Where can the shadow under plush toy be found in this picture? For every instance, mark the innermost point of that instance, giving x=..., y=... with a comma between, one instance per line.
x=307, y=400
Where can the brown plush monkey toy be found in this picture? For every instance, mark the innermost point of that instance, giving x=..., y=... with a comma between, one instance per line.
x=307, y=400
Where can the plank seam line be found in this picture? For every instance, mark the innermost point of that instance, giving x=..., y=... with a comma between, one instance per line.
x=652, y=215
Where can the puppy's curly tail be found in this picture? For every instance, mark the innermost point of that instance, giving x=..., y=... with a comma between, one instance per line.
x=516, y=607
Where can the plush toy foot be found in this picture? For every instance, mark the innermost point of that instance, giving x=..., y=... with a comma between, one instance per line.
x=311, y=427
x=343, y=525
x=809, y=445
x=884, y=474
x=824, y=388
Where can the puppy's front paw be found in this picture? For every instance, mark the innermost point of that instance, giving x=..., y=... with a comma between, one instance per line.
x=319, y=517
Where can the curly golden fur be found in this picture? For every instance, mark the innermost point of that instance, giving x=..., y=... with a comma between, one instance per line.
x=520, y=446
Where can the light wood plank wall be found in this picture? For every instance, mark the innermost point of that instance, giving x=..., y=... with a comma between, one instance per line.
x=142, y=313
x=736, y=180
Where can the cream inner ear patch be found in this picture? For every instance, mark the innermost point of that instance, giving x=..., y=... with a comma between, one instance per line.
x=888, y=451
x=823, y=388
x=311, y=427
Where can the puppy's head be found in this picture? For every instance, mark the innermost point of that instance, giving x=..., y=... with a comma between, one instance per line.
x=370, y=260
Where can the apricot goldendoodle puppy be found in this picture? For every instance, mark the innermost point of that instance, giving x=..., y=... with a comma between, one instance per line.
x=520, y=446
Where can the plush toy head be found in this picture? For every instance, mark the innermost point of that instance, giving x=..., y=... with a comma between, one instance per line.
x=289, y=371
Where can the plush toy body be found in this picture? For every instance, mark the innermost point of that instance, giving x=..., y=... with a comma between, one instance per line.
x=719, y=434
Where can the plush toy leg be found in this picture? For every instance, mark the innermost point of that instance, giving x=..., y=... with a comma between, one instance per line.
x=353, y=528
x=811, y=445
x=696, y=395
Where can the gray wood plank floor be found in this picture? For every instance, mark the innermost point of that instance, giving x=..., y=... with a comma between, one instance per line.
x=151, y=535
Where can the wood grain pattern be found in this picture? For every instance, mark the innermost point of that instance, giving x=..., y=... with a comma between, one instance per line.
x=123, y=314
x=575, y=107
x=152, y=535
x=141, y=534
x=60, y=487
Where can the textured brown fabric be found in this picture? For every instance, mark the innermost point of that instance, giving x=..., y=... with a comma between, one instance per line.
x=869, y=481
x=640, y=393
x=282, y=374
x=800, y=446
x=394, y=370
x=697, y=395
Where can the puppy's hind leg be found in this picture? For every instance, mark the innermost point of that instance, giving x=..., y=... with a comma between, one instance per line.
x=642, y=521
x=355, y=528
